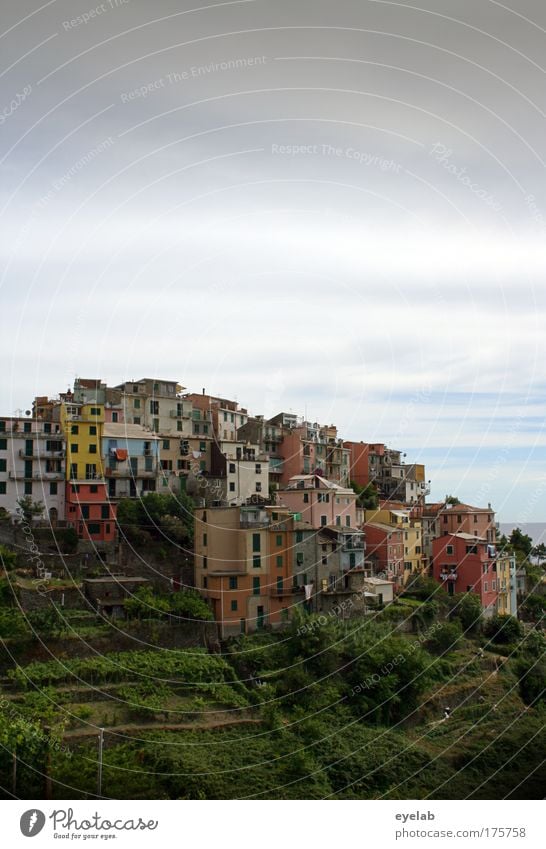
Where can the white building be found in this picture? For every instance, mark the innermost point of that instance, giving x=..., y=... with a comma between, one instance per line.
x=32, y=463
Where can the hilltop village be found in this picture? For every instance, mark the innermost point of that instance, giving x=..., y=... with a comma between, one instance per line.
x=260, y=516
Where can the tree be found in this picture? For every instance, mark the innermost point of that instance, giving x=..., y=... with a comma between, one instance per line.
x=367, y=496
x=452, y=499
x=539, y=551
x=503, y=629
x=8, y=558
x=445, y=638
x=520, y=542
x=30, y=509
x=468, y=609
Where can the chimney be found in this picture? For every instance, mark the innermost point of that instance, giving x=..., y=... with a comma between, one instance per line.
x=203, y=390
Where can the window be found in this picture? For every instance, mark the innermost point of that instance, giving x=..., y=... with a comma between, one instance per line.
x=136, y=403
x=93, y=448
x=279, y=561
x=233, y=583
x=475, y=518
x=256, y=561
x=3, y=465
x=256, y=543
x=348, y=521
x=92, y=430
x=278, y=539
x=114, y=417
x=94, y=411
x=47, y=427
x=255, y=586
x=179, y=425
x=53, y=488
x=75, y=429
x=85, y=511
x=459, y=519
x=155, y=425
x=493, y=585
x=299, y=558
x=105, y=512
x=485, y=587
x=75, y=487
x=449, y=549
x=445, y=520
x=338, y=520
x=93, y=528
x=205, y=428
x=74, y=448
x=279, y=585
x=258, y=468
x=28, y=488
x=93, y=488
x=205, y=582
x=234, y=604
x=205, y=562
x=306, y=498
x=2, y=427
x=2, y=487
x=232, y=468
x=136, y=419
x=154, y=408
x=166, y=444
x=323, y=520
x=204, y=539
x=203, y=447
x=27, y=427
x=258, y=487
x=232, y=486
x=299, y=536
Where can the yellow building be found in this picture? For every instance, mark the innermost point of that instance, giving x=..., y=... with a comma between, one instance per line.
x=506, y=585
x=82, y=427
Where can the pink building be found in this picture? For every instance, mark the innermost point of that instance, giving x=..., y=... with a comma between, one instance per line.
x=462, y=518
x=464, y=563
x=320, y=502
x=385, y=550
x=359, y=462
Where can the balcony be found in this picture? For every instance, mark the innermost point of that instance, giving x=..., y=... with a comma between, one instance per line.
x=286, y=592
x=44, y=476
x=41, y=455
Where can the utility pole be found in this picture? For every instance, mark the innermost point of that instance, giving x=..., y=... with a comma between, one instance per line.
x=99, y=776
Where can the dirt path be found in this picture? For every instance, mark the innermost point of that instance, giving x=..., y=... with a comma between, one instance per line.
x=135, y=728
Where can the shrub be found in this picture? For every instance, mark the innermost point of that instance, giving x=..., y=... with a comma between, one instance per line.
x=445, y=638
x=503, y=629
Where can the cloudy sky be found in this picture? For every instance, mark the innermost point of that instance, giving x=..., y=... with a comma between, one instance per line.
x=334, y=208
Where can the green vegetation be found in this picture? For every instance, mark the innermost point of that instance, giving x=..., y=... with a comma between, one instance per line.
x=157, y=518
x=368, y=496
x=187, y=605
x=324, y=708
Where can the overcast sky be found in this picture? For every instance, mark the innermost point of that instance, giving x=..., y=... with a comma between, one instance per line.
x=332, y=208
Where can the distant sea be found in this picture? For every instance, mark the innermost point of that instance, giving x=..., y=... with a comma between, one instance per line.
x=536, y=530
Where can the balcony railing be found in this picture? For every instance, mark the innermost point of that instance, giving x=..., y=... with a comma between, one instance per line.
x=278, y=592
x=40, y=455
x=44, y=476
